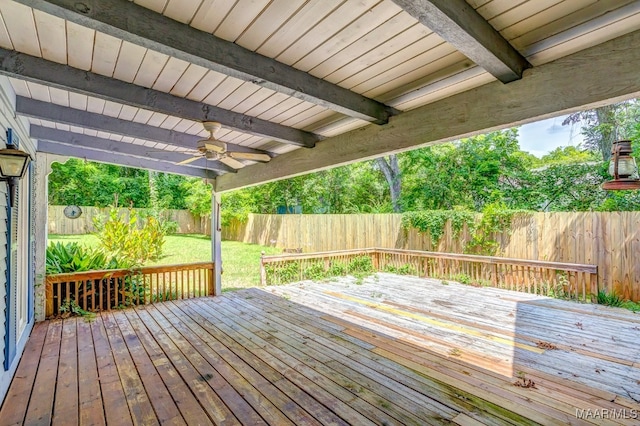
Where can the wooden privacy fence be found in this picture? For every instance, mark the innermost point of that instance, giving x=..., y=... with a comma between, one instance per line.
x=574, y=281
x=111, y=289
x=58, y=223
x=610, y=240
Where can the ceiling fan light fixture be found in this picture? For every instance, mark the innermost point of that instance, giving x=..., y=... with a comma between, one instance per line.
x=216, y=150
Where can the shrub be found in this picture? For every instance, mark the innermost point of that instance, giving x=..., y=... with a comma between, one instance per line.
x=406, y=269
x=73, y=257
x=360, y=265
x=125, y=239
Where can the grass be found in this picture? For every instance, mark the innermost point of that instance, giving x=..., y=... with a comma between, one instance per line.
x=240, y=261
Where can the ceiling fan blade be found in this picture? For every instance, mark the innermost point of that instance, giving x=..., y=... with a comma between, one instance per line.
x=250, y=156
x=190, y=160
x=232, y=162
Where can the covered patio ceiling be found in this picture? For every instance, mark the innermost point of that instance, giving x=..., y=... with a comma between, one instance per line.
x=312, y=83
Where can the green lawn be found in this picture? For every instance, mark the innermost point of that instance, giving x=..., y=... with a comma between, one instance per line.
x=241, y=262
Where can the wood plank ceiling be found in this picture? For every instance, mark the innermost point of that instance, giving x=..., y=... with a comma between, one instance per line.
x=137, y=78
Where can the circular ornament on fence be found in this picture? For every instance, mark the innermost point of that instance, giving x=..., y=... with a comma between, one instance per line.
x=72, y=212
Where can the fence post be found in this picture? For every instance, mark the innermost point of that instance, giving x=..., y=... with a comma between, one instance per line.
x=263, y=271
x=375, y=258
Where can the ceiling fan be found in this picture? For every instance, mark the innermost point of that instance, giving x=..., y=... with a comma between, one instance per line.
x=213, y=149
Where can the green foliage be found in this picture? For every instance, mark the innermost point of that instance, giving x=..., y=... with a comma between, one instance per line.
x=282, y=273
x=406, y=269
x=70, y=307
x=198, y=198
x=337, y=269
x=95, y=184
x=496, y=218
x=360, y=265
x=462, y=278
x=609, y=299
x=123, y=238
x=434, y=221
x=73, y=257
x=469, y=173
x=290, y=271
x=314, y=272
x=569, y=155
x=632, y=306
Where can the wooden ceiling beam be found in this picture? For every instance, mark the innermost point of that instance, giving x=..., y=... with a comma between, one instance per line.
x=127, y=21
x=108, y=145
x=74, y=117
x=121, y=159
x=41, y=71
x=595, y=76
x=464, y=28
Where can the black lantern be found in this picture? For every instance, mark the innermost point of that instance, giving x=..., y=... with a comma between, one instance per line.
x=623, y=168
x=13, y=166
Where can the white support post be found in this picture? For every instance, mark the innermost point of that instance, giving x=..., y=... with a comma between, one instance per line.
x=40, y=187
x=216, y=243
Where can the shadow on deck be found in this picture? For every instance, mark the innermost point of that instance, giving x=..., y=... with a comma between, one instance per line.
x=394, y=350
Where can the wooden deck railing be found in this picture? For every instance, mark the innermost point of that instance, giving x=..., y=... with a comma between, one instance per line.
x=574, y=281
x=110, y=289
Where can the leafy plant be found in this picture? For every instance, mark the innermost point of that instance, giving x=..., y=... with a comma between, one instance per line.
x=433, y=222
x=337, y=269
x=496, y=218
x=286, y=272
x=314, y=272
x=609, y=299
x=72, y=257
x=462, y=278
x=360, y=265
x=282, y=273
x=125, y=239
x=70, y=307
x=632, y=306
x=406, y=269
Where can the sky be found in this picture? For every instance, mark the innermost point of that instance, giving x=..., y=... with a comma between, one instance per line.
x=541, y=137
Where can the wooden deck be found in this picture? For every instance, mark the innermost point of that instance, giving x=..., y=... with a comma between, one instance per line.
x=392, y=350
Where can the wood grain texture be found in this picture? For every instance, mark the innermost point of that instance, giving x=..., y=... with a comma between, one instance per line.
x=596, y=237
x=108, y=145
x=394, y=350
x=459, y=24
x=121, y=159
x=108, y=89
x=99, y=122
x=127, y=21
x=565, y=85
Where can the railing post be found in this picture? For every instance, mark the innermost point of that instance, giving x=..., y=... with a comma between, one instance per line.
x=595, y=285
x=263, y=271
x=494, y=275
x=375, y=259
x=211, y=281
x=48, y=310
x=216, y=243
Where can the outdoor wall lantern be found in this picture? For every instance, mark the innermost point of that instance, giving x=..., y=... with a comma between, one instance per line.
x=623, y=168
x=13, y=166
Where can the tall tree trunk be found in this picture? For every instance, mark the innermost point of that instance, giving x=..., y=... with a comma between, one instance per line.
x=608, y=129
x=391, y=171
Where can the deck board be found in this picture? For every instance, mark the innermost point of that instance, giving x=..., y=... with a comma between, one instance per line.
x=392, y=350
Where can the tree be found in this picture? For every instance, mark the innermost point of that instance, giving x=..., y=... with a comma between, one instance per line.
x=391, y=171
x=604, y=125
